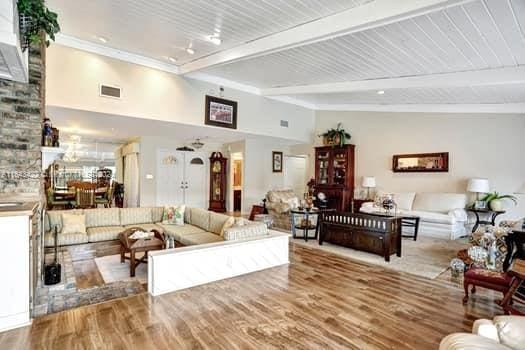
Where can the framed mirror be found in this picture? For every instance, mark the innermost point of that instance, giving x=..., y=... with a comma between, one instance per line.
x=420, y=162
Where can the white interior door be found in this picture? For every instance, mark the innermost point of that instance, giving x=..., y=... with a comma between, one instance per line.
x=295, y=174
x=195, y=177
x=170, y=177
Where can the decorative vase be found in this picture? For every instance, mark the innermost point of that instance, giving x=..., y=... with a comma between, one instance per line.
x=496, y=205
x=332, y=141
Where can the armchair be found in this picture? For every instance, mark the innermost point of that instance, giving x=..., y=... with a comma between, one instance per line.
x=279, y=203
x=504, y=332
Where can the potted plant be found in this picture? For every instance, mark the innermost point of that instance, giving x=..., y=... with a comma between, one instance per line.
x=495, y=200
x=335, y=137
x=35, y=19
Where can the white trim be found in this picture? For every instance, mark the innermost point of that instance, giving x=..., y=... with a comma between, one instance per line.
x=511, y=108
x=497, y=76
x=84, y=45
x=293, y=101
x=370, y=15
x=224, y=82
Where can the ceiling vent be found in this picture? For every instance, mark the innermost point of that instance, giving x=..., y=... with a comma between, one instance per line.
x=110, y=91
x=284, y=123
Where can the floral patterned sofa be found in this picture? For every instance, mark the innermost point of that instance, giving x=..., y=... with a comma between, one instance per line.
x=105, y=224
x=279, y=203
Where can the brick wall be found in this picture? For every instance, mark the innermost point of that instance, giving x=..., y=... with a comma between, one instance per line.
x=20, y=130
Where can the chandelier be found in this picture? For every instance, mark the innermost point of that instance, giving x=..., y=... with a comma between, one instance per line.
x=71, y=155
x=197, y=144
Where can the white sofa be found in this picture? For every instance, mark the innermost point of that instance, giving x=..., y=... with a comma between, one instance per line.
x=442, y=215
x=504, y=332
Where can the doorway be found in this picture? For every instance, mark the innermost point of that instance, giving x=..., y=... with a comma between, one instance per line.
x=295, y=174
x=237, y=181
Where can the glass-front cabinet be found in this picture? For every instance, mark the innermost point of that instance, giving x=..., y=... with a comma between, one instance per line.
x=334, y=175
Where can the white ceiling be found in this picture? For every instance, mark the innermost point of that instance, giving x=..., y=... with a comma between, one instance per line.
x=162, y=28
x=286, y=49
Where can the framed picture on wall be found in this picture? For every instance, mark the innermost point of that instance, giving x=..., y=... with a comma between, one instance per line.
x=277, y=162
x=220, y=112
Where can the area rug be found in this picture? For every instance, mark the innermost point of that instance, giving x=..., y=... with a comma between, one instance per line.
x=112, y=270
x=426, y=257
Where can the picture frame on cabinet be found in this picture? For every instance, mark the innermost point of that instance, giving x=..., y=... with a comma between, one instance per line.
x=277, y=162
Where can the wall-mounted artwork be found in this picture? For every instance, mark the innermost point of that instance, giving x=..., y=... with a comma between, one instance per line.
x=420, y=162
x=277, y=162
x=220, y=112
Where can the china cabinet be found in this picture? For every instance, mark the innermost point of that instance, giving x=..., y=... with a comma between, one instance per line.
x=218, y=182
x=334, y=175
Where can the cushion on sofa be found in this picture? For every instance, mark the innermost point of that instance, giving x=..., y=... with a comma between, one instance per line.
x=103, y=233
x=439, y=202
x=511, y=331
x=130, y=216
x=178, y=232
x=187, y=215
x=73, y=223
x=156, y=214
x=65, y=239
x=102, y=217
x=200, y=238
x=428, y=216
x=217, y=222
x=54, y=218
x=200, y=218
x=468, y=341
x=247, y=231
x=147, y=227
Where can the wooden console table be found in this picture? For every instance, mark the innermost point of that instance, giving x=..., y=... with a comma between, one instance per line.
x=374, y=234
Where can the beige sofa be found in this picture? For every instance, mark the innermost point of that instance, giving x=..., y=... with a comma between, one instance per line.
x=503, y=333
x=105, y=224
x=442, y=215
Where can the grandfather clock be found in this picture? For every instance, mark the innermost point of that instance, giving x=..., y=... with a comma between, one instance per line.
x=218, y=182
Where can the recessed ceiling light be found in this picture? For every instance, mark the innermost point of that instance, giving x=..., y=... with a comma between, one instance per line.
x=381, y=92
x=102, y=39
x=190, y=51
x=215, y=39
x=172, y=59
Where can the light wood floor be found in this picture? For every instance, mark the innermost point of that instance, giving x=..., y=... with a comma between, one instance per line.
x=319, y=301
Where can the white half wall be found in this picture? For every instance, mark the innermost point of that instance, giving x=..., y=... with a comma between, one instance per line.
x=175, y=269
x=480, y=145
x=73, y=78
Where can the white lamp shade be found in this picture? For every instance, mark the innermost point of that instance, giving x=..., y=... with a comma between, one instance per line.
x=368, y=181
x=478, y=185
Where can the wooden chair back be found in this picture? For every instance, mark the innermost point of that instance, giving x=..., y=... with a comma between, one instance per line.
x=85, y=197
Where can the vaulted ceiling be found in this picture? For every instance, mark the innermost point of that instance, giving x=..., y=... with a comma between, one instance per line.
x=324, y=54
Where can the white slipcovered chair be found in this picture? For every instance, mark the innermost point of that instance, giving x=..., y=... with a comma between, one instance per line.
x=502, y=333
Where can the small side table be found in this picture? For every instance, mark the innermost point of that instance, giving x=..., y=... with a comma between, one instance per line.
x=305, y=225
x=492, y=217
x=133, y=246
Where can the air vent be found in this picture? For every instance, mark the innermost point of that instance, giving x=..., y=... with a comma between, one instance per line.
x=284, y=123
x=110, y=91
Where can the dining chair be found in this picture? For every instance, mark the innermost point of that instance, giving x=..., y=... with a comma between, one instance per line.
x=85, y=198
x=52, y=202
x=106, y=198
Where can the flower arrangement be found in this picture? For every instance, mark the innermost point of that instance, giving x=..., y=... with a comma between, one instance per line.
x=335, y=137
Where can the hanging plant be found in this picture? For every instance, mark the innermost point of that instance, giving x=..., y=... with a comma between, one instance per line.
x=35, y=19
x=335, y=137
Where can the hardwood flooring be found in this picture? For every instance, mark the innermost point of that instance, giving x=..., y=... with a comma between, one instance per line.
x=319, y=301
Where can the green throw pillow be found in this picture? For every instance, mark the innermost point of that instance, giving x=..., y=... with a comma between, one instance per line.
x=174, y=215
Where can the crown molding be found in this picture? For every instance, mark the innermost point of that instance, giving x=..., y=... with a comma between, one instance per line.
x=107, y=51
x=503, y=108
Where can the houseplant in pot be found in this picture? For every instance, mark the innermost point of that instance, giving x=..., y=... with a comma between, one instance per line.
x=36, y=21
x=335, y=137
x=495, y=200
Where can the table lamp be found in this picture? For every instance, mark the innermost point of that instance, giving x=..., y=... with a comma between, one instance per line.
x=368, y=182
x=478, y=186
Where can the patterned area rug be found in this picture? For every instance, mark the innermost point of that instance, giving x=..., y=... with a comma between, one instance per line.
x=426, y=257
x=112, y=270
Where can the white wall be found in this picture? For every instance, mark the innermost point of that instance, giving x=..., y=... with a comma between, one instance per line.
x=484, y=145
x=73, y=79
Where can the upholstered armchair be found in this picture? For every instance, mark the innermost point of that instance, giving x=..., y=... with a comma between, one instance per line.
x=279, y=203
x=504, y=332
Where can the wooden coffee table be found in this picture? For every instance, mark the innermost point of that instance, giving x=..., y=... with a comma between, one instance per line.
x=133, y=246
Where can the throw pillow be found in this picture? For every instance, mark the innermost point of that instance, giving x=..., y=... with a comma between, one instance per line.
x=239, y=222
x=73, y=223
x=174, y=215
x=292, y=202
x=229, y=223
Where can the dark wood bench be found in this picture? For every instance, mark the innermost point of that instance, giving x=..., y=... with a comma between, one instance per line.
x=374, y=234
